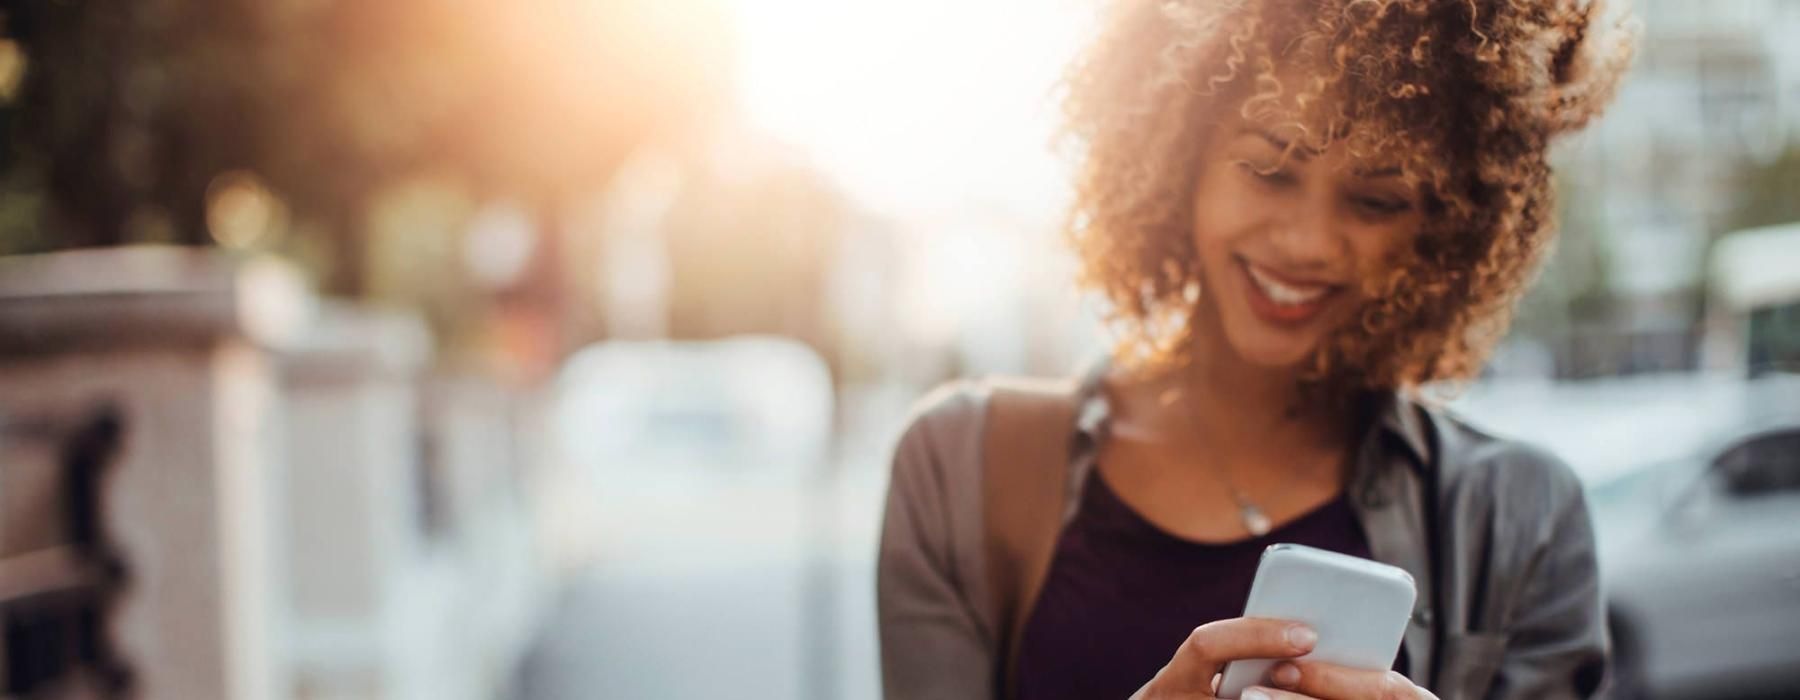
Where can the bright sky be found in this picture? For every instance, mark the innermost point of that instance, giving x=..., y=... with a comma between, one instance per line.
x=917, y=106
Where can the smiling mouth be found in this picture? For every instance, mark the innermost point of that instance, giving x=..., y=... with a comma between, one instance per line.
x=1283, y=301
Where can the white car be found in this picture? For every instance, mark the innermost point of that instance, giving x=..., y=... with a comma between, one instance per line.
x=1701, y=567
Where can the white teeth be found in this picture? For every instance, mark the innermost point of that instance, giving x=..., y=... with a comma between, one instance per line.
x=1285, y=294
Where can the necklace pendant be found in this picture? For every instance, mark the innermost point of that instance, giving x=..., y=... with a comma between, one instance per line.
x=1254, y=520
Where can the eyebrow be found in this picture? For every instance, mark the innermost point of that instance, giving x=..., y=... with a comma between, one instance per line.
x=1389, y=171
x=1304, y=153
x=1281, y=144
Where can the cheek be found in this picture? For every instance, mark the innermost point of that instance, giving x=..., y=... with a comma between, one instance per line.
x=1377, y=251
x=1221, y=210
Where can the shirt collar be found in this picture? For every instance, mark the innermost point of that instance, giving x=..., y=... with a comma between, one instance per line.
x=1405, y=420
x=1394, y=415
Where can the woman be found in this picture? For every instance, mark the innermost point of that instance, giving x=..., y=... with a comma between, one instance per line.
x=1300, y=211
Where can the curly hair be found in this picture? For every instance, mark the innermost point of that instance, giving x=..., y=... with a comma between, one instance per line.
x=1468, y=94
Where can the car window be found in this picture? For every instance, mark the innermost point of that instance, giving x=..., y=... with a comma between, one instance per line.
x=1765, y=465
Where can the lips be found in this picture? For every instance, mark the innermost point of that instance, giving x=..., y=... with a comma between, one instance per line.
x=1284, y=301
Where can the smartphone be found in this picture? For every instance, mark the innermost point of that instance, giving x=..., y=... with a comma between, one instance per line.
x=1359, y=608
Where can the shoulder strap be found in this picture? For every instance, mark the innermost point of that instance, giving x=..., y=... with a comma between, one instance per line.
x=1443, y=441
x=1025, y=452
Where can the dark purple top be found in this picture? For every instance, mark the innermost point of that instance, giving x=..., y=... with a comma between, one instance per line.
x=1122, y=593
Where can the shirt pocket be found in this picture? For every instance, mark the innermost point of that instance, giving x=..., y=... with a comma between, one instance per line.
x=1471, y=659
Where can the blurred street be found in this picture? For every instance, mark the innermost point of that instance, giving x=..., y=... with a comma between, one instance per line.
x=763, y=592
x=412, y=350
x=751, y=592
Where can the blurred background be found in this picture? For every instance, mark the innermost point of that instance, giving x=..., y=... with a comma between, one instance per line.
x=554, y=349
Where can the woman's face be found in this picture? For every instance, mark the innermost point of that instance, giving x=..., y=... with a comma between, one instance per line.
x=1285, y=246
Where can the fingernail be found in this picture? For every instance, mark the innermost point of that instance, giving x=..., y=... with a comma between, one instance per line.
x=1286, y=675
x=1302, y=636
x=1253, y=694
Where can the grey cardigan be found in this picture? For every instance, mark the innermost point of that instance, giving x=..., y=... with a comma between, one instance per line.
x=1508, y=608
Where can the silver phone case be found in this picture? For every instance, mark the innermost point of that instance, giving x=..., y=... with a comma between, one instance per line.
x=1359, y=608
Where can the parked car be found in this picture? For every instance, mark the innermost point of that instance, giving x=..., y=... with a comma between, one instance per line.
x=1701, y=565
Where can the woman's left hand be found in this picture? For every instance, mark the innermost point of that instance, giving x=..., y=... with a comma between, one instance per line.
x=1303, y=680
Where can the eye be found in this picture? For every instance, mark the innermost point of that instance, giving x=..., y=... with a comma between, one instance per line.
x=1274, y=176
x=1379, y=206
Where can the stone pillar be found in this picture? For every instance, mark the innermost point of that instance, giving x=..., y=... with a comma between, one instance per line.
x=177, y=341
x=368, y=620
x=409, y=546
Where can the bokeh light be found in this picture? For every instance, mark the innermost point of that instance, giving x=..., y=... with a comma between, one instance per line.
x=240, y=211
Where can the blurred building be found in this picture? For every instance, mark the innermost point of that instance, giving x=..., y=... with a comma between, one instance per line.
x=215, y=487
x=731, y=233
x=1715, y=90
x=718, y=233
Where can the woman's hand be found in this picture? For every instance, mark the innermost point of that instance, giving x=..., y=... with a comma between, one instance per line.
x=1194, y=670
x=1301, y=680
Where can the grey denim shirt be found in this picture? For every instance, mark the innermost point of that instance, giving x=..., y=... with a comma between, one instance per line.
x=1509, y=607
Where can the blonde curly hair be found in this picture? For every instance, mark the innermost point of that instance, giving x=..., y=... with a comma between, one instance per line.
x=1467, y=94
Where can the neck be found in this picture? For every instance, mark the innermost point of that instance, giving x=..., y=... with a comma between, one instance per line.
x=1253, y=410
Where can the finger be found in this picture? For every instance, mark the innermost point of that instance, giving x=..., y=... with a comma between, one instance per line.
x=1257, y=692
x=1332, y=681
x=1210, y=645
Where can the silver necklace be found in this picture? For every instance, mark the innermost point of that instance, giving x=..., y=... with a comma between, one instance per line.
x=1255, y=521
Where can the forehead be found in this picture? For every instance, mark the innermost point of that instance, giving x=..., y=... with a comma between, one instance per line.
x=1294, y=104
x=1293, y=107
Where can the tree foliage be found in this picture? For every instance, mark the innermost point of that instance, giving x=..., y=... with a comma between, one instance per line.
x=129, y=111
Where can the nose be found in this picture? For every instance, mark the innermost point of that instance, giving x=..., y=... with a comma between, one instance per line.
x=1306, y=237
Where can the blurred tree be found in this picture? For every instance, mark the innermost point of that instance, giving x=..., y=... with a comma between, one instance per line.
x=128, y=111
x=1768, y=194
x=1573, y=287
x=321, y=121
x=751, y=241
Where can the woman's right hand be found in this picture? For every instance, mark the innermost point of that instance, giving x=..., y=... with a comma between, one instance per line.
x=1193, y=671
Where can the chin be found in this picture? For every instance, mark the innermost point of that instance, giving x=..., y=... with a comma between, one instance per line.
x=1271, y=353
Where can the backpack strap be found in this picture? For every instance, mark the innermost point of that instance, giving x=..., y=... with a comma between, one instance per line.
x=1025, y=455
